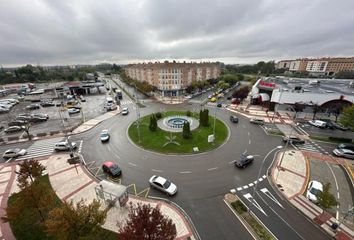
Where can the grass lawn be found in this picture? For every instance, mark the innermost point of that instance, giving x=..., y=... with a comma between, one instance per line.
x=155, y=140
x=29, y=227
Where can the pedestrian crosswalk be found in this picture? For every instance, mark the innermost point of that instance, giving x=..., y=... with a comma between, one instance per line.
x=40, y=148
x=127, y=102
x=308, y=146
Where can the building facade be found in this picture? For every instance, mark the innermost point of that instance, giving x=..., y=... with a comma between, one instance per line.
x=283, y=64
x=172, y=78
x=298, y=65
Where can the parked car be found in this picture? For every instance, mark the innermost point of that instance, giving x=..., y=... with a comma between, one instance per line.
x=349, y=146
x=340, y=127
x=244, y=161
x=33, y=107
x=41, y=115
x=24, y=117
x=14, y=129
x=64, y=146
x=15, y=152
x=73, y=110
x=318, y=123
x=125, y=111
x=314, y=188
x=17, y=123
x=104, y=135
x=82, y=98
x=112, y=169
x=233, y=119
x=162, y=184
x=345, y=153
x=257, y=121
x=4, y=110
x=293, y=140
x=213, y=99
x=47, y=104
x=38, y=119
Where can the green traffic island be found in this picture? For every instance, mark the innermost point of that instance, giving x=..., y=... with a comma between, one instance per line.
x=249, y=220
x=29, y=213
x=189, y=140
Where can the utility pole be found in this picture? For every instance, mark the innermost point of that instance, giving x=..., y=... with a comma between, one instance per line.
x=137, y=113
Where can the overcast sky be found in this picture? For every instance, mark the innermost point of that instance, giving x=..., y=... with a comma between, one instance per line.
x=127, y=31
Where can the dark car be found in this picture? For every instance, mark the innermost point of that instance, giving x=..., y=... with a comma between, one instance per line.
x=112, y=169
x=33, y=107
x=17, y=123
x=229, y=98
x=219, y=105
x=14, y=129
x=38, y=119
x=348, y=146
x=293, y=140
x=340, y=127
x=233, y=119
x=244, y=160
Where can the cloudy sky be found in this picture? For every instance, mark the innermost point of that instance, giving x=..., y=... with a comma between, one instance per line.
x=124, y=31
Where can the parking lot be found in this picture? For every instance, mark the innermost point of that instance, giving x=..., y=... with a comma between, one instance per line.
x=58, y=120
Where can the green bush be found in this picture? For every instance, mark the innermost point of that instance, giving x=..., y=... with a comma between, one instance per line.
x=186, y=131
x=153, y=123
x=339, y=139
x=189, y=113
x=239, y=206
x=158, y=115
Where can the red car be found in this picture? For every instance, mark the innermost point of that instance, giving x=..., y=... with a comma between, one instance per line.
x=112, y=169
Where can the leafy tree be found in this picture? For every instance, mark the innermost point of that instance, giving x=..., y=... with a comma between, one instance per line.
x=148, y=223
x=326, y=199
x=223, y=85
x=29, y=169
x=315, y=108
x=241, y=93
x=204, y=117
x=186, y=130
x=75, y=221
x=347, y=117
x=153, y=123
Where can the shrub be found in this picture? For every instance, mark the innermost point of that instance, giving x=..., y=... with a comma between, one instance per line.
x=186, y=131
x=339, y=139
x=54, y=132
x=158, y=115
x=239, y=206
x=189, y=113
x=153, y=123
x=41, y=134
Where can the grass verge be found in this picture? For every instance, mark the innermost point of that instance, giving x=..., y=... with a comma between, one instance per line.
x=154, y=141
x=29, y=227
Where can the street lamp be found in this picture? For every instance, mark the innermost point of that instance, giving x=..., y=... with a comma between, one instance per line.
x=260, y=169
x=214, y=124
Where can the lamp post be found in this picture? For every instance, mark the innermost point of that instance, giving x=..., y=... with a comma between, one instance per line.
x=137, y=112
x=260, y=169
x=214, y=123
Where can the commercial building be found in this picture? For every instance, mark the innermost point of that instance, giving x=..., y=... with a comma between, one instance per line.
x=172, y=78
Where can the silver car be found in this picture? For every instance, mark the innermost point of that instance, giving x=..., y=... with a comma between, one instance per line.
x=15, y=152
x=64, y=146
x=163, y=185
x=345, y=153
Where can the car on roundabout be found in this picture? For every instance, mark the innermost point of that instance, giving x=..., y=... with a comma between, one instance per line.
x=73, y=110
x=257, y=121
x=111, y=169
x=14, y=152
x=104, y=135
x=125, y=111
x=162, y=184
x=244, y=161
x=344, y=153
x=313, y=190
x=233, y=119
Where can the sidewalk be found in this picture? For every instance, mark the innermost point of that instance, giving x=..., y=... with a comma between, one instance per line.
x=72, y=183
x=290, y=175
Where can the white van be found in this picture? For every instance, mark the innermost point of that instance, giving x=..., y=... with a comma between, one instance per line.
x=110, y=104
x=318, y=123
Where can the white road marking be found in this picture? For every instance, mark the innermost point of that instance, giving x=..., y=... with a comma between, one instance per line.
x=270, y=195
x=211, y=169
x=133, y=164
x=239, y=189
x=9, y=160
x=249, y=141
x=249, y=197
x=244, y=152
x=248, y=133
x=250, y=185
x=185, y=172
x=156, y=170
x=245, y=187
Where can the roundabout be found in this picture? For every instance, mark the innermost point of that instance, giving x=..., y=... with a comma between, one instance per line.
x=168, y=137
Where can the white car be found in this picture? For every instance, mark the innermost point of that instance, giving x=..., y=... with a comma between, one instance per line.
x=73, y=110
x=104, y=135
x=313, y=190
x=125, y=111
x=345, y=153
x=64, y=146
x=11, y=153
x=163, y=185
x=318, y=123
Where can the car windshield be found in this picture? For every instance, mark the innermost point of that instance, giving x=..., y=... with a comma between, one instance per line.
x=315, y=191
x=167, y=184
x=104, y=134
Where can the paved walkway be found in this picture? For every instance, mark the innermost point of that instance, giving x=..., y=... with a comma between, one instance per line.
x=76, y=183
x=290, y=175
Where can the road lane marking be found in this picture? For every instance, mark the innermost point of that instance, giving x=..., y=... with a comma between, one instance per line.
x=132, y=164
x=270, y=195
x=156, y=170
x=211, y=169
x=248, y=133
x=249, y=141
x=185, y=172
x=253, y=201
x=232, y=162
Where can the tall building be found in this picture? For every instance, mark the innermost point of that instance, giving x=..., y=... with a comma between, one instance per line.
x=340, y=64
x=283, y=64
x=172, y=78
x=298, y=65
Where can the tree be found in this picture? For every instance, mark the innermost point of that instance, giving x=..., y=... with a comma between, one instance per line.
x=241, y=93
x=148, y=223
x=75, y=221
x=29, y=169
x=326, y=199
x=186, y=130
x=204, y=117
x=153, y=123
x=315, y=108
x=347, y=118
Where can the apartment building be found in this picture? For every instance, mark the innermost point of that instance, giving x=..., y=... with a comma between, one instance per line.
x=340, y=64
x=172, y=78
x=317, y=67
x=283, y=64
x=298, y=65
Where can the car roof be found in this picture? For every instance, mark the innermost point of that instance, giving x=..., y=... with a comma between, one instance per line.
x=160, y=180
x=109, y=164
x=125, y=108
x=104, y=131
x=344, y=150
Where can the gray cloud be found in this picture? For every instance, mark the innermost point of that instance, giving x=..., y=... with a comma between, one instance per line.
x=88, y=31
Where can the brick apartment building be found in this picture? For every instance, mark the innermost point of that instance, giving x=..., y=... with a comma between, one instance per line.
x=172, y=78
x=319, y=66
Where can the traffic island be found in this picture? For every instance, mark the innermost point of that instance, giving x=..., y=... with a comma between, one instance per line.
x=171, y=141
x=250, y=221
